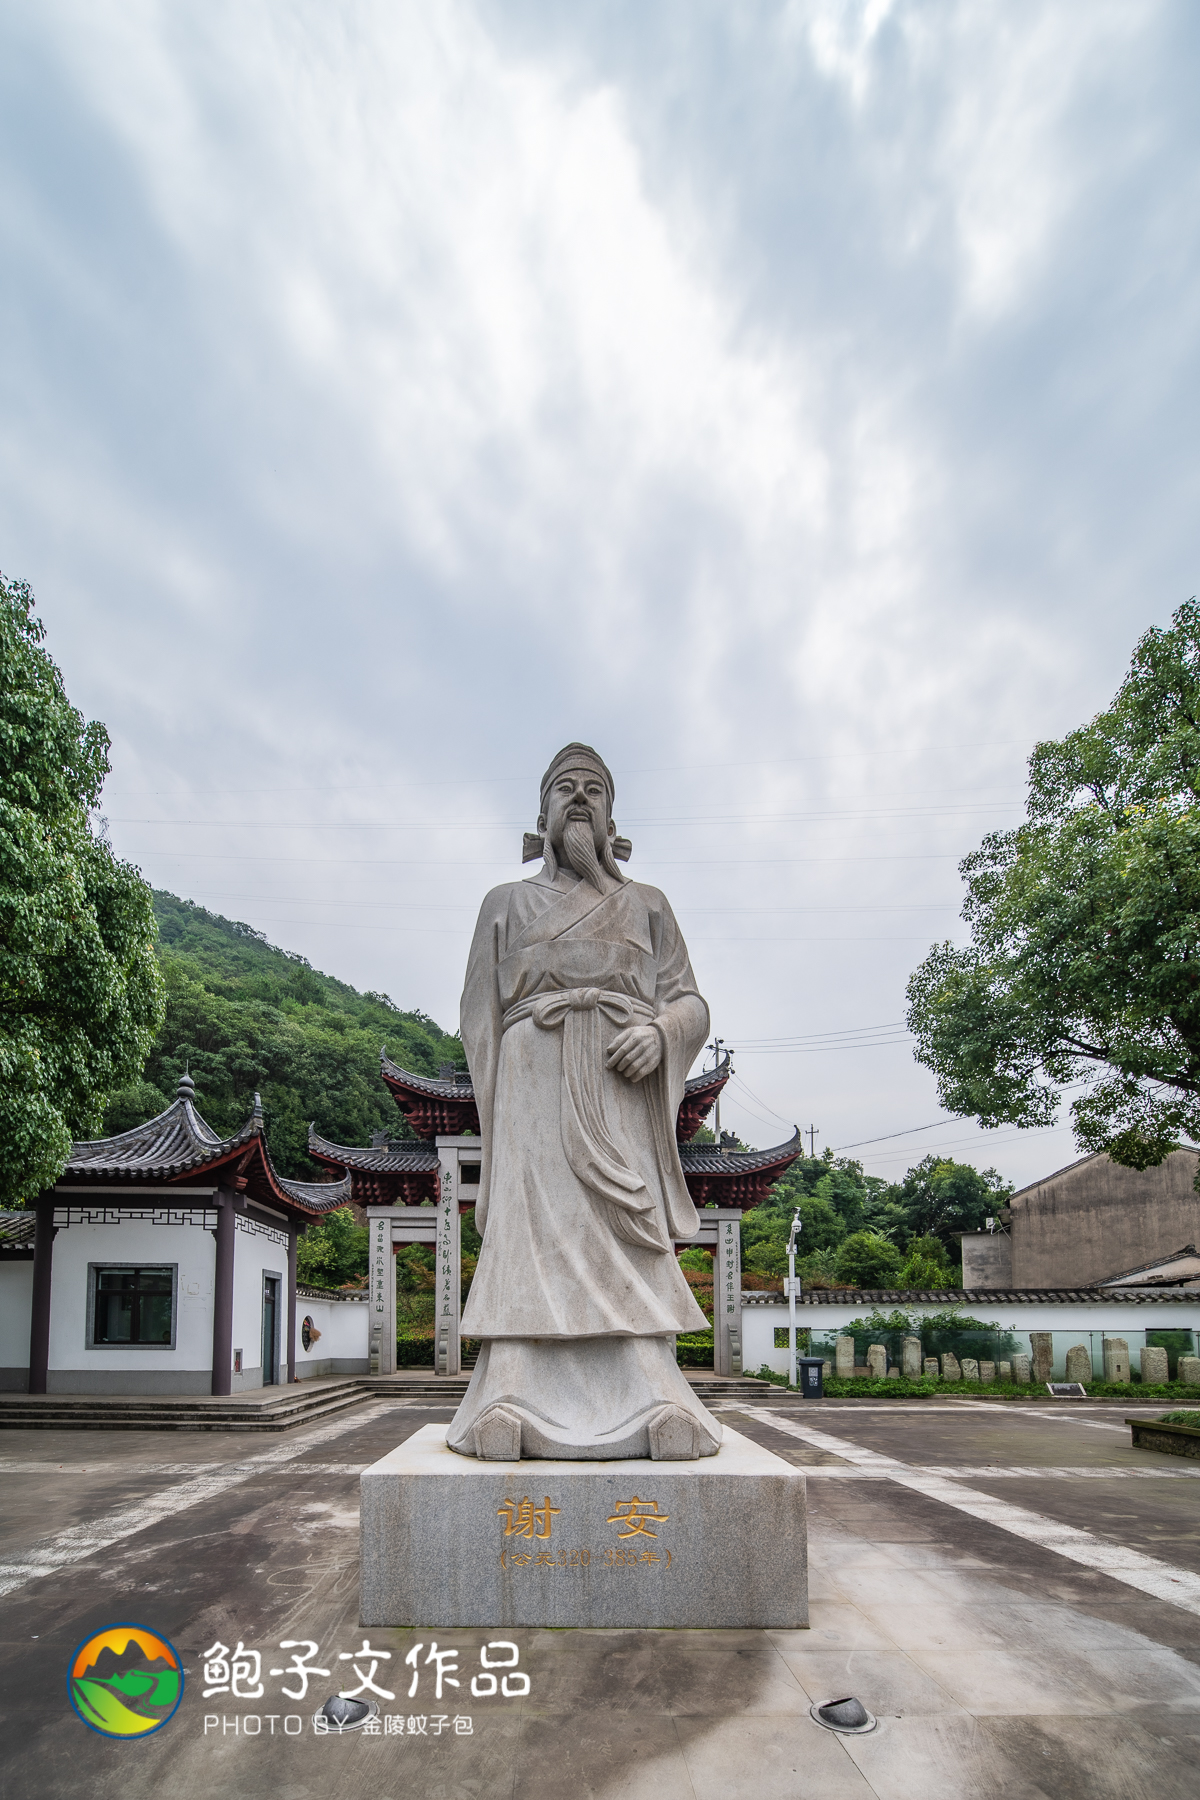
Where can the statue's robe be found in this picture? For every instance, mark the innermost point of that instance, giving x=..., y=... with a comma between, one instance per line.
x=582, y=1197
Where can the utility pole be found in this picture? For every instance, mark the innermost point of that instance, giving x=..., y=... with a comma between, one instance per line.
x=812, y=1139
x=717, y=1045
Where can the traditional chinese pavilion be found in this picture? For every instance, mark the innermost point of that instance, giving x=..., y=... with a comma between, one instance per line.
x=401, y=1172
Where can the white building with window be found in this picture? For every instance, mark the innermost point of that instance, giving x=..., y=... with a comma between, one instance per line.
x=163, y=1261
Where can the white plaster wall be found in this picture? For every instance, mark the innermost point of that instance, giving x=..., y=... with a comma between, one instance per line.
x=1070, y=1324
x=16, y=1294
x=190, y=1246
x=343, y=1347
x=73, y=1368
x=253, y=1255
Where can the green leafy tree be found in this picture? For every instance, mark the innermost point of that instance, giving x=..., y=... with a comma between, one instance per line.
x=80, y=989
x=1084, y=964
x=926, y=1265
x=333, y=1253
x=867, y=1260
x=939, y=1197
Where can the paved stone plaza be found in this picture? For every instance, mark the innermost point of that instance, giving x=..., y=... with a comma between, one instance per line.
x=987, y=1578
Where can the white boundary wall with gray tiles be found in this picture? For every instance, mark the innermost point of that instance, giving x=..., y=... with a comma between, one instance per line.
x=1071, y=1321
x=344, y=1323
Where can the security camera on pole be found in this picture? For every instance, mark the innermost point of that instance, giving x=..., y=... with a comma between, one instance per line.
x=792, y=1288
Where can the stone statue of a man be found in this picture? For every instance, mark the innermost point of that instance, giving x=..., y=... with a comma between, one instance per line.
x=580, y=1019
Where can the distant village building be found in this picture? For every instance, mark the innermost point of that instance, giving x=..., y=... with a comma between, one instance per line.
x=1091, y=1224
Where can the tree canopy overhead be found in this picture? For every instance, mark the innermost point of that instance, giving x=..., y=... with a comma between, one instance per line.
x=80, y=989
x=1084, y=964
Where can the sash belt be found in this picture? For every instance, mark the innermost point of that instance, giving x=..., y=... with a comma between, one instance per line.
x=550, y=1010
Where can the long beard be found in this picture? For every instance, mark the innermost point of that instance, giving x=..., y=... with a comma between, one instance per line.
x=579, y=851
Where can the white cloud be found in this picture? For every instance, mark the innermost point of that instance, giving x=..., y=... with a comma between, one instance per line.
x=393, y=391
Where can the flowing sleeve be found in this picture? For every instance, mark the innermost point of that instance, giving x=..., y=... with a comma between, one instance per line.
x=681, y=1016
x=480, y=1027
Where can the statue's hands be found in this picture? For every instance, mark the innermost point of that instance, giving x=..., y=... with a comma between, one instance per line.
x=635, y=1051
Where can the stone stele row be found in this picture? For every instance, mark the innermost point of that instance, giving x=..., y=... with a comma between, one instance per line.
x=1037, y=1367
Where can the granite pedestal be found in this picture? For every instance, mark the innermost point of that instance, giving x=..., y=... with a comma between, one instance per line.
x=451, y=1541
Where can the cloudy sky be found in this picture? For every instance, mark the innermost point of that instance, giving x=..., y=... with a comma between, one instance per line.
x=796, y=401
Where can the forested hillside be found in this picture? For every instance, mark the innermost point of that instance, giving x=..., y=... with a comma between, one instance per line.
x=243, y=1015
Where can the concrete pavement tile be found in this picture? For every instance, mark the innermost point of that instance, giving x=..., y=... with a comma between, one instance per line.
x=886, y=1681
x=1147, y=1674
x=933, y=1627
x=921, y=1587
x=1119, y=1759
x=644, y=1672
x=939, y=1556
x=835, y=1624
x=821, y=1586
x=769, y=1759
x=600, y=1756
x=1002, y=1682
x=853, y=1553
x=1139, y=1629
x=940, y=1757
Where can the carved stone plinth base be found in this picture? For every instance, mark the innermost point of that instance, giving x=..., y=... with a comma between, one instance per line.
x=452, y=1541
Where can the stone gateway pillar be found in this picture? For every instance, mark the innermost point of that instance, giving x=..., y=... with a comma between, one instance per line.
x=383, y=1294
x=727, y=1297
x=1115, y=1352
x=447, y=1343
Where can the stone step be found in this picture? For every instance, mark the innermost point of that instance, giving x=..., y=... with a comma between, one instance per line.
x=100, y=1414
x=280, y=1412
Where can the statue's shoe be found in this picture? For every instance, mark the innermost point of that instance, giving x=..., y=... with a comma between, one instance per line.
x=678, y=1436
x=582, y=1400
x=497, y=1435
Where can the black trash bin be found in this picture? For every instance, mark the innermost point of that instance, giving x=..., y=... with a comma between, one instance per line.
x=810, y=1373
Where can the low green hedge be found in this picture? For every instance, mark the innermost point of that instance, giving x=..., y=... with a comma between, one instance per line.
x=897, y=1388
x=694, y=1350
x=414, y=1350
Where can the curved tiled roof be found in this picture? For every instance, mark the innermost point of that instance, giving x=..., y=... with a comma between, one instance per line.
x=463, y=1088
x=17, y=1230
x=177, y=1143
x=378, y=1158
x=435, y=1087
x=170, y=1144
x=706, y=1159
x=320, y=1196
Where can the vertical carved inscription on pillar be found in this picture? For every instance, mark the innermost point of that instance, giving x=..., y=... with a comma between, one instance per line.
x=383, y=1298
x=727, y=1310
x=448, y=1296
x=376, y=1242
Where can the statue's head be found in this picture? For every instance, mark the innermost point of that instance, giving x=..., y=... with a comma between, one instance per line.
x=575, y=824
